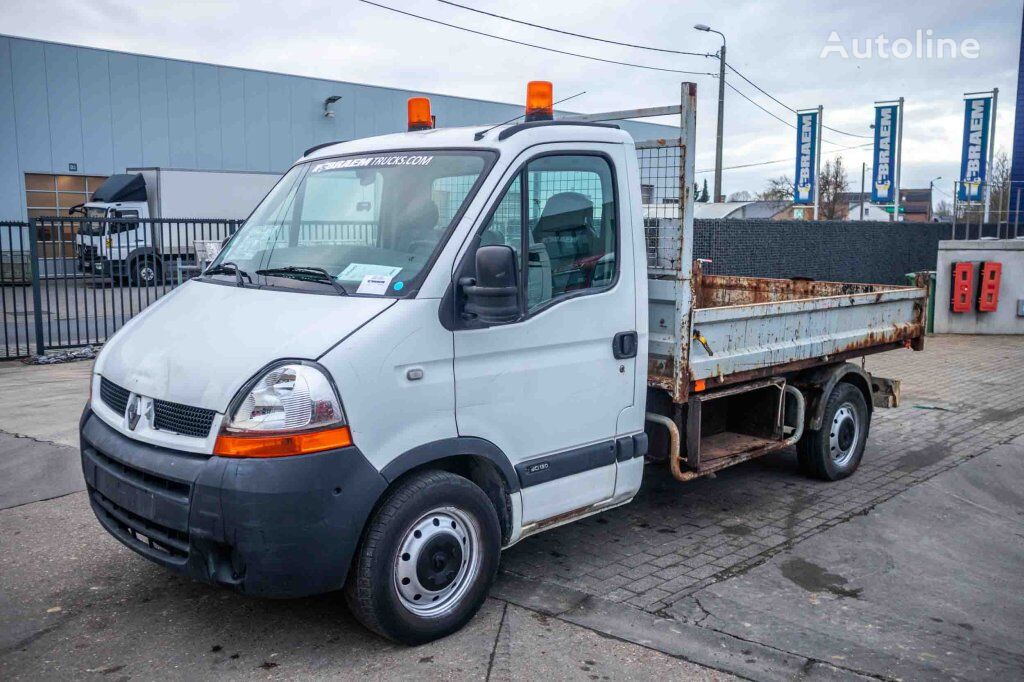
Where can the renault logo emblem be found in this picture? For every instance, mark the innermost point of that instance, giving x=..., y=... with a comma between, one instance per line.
x=134, y=412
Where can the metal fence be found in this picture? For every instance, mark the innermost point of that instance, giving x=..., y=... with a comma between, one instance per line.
x=988, y=210
x=15, y=288
x=70, y=282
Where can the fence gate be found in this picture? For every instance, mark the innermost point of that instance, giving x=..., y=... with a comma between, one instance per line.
x=70, y=282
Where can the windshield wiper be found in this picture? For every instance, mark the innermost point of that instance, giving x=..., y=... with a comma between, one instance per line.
x=229, y=268
x=305, y=273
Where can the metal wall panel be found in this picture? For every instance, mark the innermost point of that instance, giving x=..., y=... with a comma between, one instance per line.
x=97, y=115
x=64, y=106
x=127, y=115
x=107, y=111
x=10, y=178
x=181, y=114
x=156, y=144
x=209, y=151
x=257, y=127
x=232, y=118
x=32, y=111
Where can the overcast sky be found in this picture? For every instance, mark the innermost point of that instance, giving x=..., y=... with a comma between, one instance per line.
x=776, y=44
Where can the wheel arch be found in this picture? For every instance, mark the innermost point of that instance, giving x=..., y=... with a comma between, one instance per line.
x=817, y=385
x=477, y=459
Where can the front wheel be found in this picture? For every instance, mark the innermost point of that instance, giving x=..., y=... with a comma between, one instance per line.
x=834, y=451
x=427, y=559
x=145, y=272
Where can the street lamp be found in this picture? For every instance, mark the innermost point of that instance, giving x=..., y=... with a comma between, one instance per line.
x=721, y=109
x=931, y=190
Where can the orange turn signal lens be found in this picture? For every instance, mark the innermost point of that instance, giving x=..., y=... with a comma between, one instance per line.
x=539, y=101
x=699, y=385
x=419, y=114
x=282, y=445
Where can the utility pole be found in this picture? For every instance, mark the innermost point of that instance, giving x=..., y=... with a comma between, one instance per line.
x=721, y=112
x=931, y=189
x=991, y=152
x=863, y=170
x=899, y=161
x=817, y=165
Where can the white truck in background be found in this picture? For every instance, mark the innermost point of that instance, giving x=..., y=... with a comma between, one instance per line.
x=140, y=222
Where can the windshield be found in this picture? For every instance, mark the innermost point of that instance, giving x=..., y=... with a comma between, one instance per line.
x=371, y=222
x=92, y=228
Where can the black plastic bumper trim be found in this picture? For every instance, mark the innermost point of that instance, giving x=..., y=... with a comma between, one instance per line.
x=285, y=527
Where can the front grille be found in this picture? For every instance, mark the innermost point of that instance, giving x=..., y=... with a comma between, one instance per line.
x=182, y=419
x=115, y=397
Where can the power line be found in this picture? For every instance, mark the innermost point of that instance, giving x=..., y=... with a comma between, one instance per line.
x=538, y=47
x=783, y=104
x=789, y=160
x=575, y=35
x=777, y=118
x=644, y=47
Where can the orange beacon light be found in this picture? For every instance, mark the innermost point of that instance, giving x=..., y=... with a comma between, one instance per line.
x=419, y=114
x=539, y=106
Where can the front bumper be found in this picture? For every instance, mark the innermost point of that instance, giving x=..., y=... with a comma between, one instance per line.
x=270, y=527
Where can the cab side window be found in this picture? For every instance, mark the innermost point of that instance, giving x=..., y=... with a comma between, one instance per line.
x=572, y=230
x=566, y=224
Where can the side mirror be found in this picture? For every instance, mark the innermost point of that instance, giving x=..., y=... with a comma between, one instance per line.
x=493, y=295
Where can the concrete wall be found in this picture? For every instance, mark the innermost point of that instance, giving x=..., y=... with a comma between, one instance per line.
x=845, y=251
x=1005, y=320
x=105, y=111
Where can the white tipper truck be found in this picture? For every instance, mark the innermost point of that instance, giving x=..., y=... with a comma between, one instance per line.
x=488, y=341
x=143, y=220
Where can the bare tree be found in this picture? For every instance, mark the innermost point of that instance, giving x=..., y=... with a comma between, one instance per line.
x=1000, y=198
x=832, y=185
x=742, y=195
x=943, y=210
x=777, y=189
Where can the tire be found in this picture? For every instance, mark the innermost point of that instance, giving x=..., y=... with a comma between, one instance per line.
x=145, y=272
x=834, y=451
x=427, y=559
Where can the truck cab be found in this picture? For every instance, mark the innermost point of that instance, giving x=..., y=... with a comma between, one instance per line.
x=103, y=242
x=419, y=349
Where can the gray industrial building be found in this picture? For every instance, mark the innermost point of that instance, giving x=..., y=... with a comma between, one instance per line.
x=70, y=116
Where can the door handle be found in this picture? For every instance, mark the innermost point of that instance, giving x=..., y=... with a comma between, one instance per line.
x=624, y=345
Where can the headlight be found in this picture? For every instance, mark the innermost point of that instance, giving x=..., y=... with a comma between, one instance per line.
x=291, y=409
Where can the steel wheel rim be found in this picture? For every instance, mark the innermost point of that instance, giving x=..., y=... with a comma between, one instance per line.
x=844, y=434
x=147, y=274
x=427, y=554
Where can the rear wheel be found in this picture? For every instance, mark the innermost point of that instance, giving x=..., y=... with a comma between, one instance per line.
x=834, y=451
x=427, y=559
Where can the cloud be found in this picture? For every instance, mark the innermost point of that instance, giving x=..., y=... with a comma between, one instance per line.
x=776, y=43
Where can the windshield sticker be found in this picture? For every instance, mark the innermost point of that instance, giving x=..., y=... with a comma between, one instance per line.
x=357, y=271
x=374, y=284
x=399, y=286
x=373, y=162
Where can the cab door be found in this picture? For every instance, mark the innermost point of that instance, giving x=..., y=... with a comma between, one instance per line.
x=548, y=387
